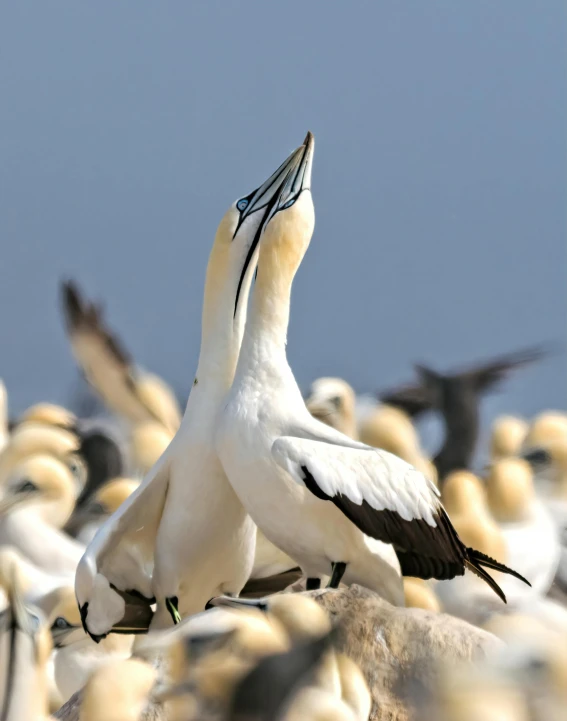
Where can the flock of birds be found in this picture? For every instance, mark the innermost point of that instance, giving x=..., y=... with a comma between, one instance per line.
x=141, y=556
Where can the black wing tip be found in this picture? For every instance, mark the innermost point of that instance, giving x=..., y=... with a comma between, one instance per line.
x=479, y=558
x=71, y=301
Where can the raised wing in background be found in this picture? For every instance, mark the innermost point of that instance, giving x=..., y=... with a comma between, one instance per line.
x=110, y=369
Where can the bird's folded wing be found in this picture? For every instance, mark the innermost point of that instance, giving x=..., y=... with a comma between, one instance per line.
x=123, y=548
x=107, y=366
x=368, y=477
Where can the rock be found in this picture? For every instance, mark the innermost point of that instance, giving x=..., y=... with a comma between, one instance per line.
x=400, y=650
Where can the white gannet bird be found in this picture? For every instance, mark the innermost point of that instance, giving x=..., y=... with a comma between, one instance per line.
x=77, y=656
x=35, y=502
x=313, y=491
x=204, y=540
x=532, y=540
x=25, y=648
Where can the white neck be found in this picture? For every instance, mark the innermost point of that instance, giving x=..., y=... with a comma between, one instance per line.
x=264, y=343
x=221, y=335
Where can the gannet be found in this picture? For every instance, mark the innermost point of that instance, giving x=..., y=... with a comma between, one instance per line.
x=35, y=502
x=25, y=647
x=507, y=436
x=333, y=401
x=33, y=438
x=77, y=656
x=108, y=367
x=532, y=540
x=457, y=396
x=204, y=539
x=305, y=620
x=87, y=519
x=49, y=414
x=313, y=491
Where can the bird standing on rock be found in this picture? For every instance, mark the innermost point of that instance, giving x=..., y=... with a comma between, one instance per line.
x=313, y=491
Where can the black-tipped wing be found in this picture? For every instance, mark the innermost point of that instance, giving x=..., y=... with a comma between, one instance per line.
x=387, y=499
x=492, y=372
x=106, y=364
x=412, y=399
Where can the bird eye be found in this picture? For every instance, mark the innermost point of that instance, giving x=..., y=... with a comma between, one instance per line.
x=61, y=623
x=336, y=401
x=242, y=204
x=27, y=487
x=288, y=204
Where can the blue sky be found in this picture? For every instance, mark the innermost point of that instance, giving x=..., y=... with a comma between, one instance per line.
x=440, y=179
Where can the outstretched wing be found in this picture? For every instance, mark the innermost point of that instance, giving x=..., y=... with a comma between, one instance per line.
x=488, y=374
x=383, y=496
x=412, y=399
x=106, y=364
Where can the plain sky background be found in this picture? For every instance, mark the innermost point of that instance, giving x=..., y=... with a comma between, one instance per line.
x=440, y=179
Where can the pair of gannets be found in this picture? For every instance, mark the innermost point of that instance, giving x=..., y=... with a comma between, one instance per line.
x=312, y=491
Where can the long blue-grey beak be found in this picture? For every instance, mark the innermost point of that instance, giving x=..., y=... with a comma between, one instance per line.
x=279, y=192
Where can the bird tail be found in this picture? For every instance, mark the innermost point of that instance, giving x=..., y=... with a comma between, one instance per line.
x=476, y=560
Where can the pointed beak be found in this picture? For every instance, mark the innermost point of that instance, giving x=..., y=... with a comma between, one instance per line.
x=279, y=192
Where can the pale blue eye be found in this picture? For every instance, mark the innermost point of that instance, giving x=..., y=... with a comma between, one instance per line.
x=288, y=204
x=242, y=204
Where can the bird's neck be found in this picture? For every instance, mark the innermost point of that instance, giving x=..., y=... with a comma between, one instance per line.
x=222, y=329
x=266, y=329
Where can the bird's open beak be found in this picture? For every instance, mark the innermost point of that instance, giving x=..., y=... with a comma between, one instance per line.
x=279, y=192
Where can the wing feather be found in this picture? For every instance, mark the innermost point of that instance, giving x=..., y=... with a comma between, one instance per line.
x=106, y=364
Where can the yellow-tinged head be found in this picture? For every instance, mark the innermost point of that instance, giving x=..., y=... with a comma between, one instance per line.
x=279, y=217
x=34, y=438
x=391, y=430
x=113, y=494
x=44, y=484
x=234, y=257
x=546, y=428
x=49, y=414
x=510, y=489
x=332, y=401
x=508, y=435
x=463, y=493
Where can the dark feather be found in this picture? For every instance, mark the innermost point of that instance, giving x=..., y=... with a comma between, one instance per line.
x=260, y=587
x=423, y=551
x=264, y=692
